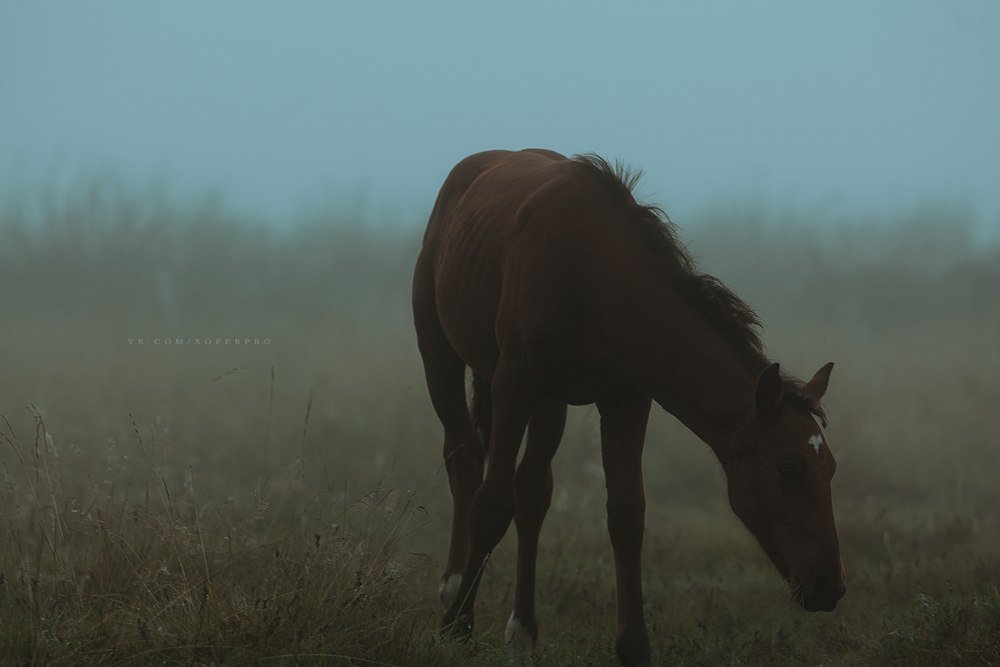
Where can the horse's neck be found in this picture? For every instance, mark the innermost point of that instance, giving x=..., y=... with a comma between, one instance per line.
x=694, y=374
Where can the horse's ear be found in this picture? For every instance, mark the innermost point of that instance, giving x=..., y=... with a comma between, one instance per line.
x=816, y=387
x=767, y=395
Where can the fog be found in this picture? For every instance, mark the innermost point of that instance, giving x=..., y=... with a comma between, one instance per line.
x=835, y=109
x=216, y=442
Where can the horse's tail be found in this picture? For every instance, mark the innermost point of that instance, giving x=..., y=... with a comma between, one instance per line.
x=482, y=409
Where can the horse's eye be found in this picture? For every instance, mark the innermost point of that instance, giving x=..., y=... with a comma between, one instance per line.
x=792, y=468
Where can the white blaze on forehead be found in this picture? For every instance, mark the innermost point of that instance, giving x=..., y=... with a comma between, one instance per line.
x=817, y=440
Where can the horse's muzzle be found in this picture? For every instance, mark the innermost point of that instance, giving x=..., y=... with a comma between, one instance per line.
x=823, y=595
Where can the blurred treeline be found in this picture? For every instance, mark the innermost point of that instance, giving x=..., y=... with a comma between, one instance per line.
x=906, y=306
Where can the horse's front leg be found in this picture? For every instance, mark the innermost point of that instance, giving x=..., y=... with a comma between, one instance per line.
x=623, y=431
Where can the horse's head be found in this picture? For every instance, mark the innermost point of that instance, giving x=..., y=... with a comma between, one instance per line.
x=779, y=473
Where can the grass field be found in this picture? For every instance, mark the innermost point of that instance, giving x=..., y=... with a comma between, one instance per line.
x=189, y=500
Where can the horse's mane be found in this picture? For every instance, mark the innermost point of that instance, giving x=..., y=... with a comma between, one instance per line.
x=731, y=317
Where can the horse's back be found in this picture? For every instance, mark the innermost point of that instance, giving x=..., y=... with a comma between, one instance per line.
x=474, y=222
x=467, y=198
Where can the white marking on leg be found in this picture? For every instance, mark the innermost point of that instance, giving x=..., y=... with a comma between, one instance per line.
x=448, y=589
x=517, y=638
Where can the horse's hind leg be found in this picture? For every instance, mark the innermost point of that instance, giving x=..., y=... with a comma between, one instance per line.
x=515, y=399
x=463, y=449
x=533, y=493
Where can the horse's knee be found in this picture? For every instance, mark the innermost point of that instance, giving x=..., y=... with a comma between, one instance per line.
x=533, y=480
x=492, y=510
x=464, y=461
x=533, y=495
x=626, y=523
x=492, y=501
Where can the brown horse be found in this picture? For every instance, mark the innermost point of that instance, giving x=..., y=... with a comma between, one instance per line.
x=545, y=277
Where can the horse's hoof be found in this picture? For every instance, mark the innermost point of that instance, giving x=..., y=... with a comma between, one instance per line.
x=459, y=628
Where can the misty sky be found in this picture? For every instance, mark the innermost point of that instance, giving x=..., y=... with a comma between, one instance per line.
x=297, y=106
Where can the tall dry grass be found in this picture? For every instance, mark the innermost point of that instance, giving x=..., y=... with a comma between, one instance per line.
x=196, y=500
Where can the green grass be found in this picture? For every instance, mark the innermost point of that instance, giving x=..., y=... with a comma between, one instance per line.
x=286, y=503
